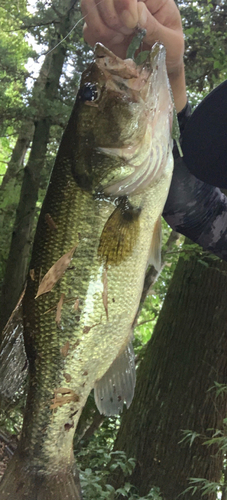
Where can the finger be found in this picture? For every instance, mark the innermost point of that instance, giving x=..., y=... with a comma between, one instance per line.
x=165, y=11
x=147, y=21
x=171, y=38
x=94, y=29
x=111, y=17
x=108, y=37
x=127, y=12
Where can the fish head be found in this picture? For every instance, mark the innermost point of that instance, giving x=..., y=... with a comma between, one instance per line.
x=121, y=110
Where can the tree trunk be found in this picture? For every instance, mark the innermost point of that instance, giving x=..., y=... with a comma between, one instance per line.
x=10, y=189
x=186, y=355
x=18, y=154
x=16, y=266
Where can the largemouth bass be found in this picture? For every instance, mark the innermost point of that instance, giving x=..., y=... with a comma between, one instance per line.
x=99, y=228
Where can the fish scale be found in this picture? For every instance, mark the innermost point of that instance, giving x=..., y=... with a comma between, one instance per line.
x=106, y=194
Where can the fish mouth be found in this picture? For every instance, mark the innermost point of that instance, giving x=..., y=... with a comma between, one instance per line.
x=135, y=77
x=108, y=61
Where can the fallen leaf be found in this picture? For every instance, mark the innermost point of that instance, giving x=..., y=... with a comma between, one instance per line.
x=63, y=390
x=76, y=344
x=67, y=377
x=50, y=222
x=59, y=308
x=86, y=329
x=32, y=274
x=65, y=349
x=55, y=273
x=69, y=426
x=76, y=305
x=62, y=396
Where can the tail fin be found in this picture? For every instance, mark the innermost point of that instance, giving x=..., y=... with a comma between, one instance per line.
x=21, y=483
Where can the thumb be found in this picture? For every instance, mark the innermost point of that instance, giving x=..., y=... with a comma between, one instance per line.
x=147, y=21
x=172, y=39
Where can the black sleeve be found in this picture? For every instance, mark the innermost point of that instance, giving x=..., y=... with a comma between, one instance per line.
x=194, y=208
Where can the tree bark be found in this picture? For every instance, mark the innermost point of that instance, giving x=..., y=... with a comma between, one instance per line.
x=18, y=154
x=186, y=355
x=10, y=189
x=16, y=266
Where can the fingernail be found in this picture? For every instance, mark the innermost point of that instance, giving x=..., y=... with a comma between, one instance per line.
x=126, y=31
x=142, y=13
x=128, y=19
x=119, y=38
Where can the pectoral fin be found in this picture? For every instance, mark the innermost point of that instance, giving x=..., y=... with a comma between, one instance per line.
x=156, y=243
x=116, y=387
x=120, y=233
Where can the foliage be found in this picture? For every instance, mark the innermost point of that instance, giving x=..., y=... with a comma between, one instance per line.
x=96, y=464
x=204, y=24
x=15, y=52
x=153, y=303
x=206, y=65
x=42, y=27
x=202, y=485
x=217, y=439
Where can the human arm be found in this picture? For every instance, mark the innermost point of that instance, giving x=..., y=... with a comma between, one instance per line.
x=197, y=210
x=194, y=208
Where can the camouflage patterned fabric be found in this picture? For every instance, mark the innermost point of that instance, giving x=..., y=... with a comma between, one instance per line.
x=194, y=208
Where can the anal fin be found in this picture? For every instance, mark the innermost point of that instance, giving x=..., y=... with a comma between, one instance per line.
x=116, y=387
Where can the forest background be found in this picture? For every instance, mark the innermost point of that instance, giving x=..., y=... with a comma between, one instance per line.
x=173, y=439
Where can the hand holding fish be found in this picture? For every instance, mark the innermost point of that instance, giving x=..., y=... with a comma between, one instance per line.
x=113, y=23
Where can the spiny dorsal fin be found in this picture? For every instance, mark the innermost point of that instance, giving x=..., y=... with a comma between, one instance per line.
x=120, y=233
x=116, y=387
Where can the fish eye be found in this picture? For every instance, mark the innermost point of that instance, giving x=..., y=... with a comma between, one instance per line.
x=89, y=92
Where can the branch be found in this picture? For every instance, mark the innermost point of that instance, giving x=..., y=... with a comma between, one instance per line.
x=27, y=27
